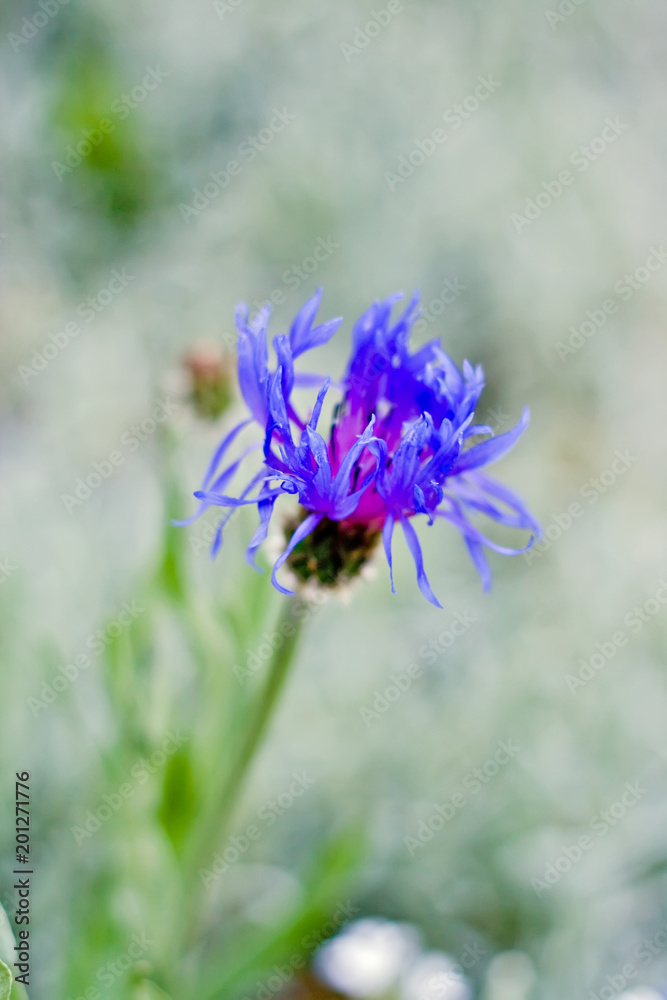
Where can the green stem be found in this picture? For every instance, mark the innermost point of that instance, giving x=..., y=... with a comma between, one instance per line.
x=221, y=807
x=281, y=661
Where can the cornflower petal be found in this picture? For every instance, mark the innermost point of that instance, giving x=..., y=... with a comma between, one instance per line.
x=491, y=451
x=415, y=549
x=304, y=529
x=387, y=533
x=265, y=510
x=302, y=336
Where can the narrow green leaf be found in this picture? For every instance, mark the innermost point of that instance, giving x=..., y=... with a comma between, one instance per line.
x=171, y=571
x=179, y=798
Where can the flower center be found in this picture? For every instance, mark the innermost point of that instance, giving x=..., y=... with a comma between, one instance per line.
x=333, y=553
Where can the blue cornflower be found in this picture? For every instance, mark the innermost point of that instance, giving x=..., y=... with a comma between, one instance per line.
x=401, y=444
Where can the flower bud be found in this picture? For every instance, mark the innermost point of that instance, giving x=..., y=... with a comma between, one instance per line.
x=209, y=375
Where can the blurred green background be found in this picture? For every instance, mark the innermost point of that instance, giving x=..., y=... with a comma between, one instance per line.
x=531, y=259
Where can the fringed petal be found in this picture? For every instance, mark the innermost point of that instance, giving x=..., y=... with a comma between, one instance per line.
x=416, y=552
x=305, y=528
x=387, y=534
x=265, y=510
x=490, y=451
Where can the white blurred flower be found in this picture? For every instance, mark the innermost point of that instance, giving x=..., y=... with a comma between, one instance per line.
x=511, y=976
x=435, y=976
x=367, y=957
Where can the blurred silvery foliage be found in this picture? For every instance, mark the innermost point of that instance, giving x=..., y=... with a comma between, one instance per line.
x=323, y=177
